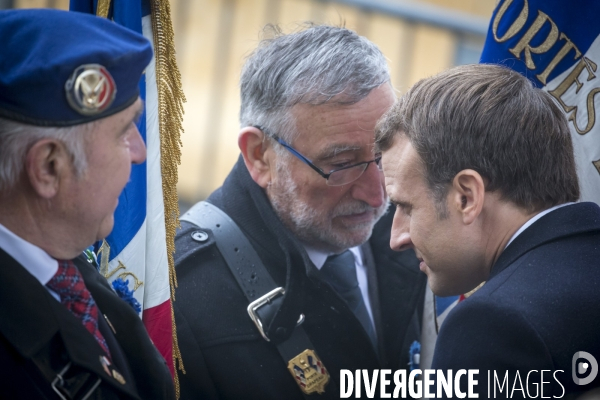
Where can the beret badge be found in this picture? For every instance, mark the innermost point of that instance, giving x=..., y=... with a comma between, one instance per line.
x=91, y=89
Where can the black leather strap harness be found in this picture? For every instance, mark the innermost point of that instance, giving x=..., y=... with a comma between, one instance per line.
x=265, y=296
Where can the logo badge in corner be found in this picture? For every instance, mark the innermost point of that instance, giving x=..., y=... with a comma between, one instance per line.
x=582, y=367
x=309, y=372
x=91, y=89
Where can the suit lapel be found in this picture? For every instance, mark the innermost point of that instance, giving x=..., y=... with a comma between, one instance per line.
x=118, y=357
x=147, y=366
x=31, y=318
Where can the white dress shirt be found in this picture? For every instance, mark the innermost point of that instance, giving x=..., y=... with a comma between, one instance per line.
x=35, y=260
x=318, y=258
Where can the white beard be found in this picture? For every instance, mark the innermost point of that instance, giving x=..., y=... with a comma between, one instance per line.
x=316, y=227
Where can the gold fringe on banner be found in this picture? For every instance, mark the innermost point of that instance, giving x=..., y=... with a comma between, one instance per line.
x=102, y=8
x=170, y=116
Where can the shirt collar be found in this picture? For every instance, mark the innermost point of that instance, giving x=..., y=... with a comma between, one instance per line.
x=533, y=219
x=35, y=260
x=319, y=257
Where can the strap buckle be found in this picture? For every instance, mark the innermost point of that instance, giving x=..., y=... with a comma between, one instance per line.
x=58, y=385
x=258, y=303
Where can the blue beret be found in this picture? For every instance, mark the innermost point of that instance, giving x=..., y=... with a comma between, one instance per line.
x=61, y=68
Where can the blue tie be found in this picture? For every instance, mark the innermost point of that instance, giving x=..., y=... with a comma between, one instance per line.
x=340, y=272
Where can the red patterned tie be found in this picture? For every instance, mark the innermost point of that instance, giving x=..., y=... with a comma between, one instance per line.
x=68, y=284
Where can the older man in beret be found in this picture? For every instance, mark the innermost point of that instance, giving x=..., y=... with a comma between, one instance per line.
x=69, y=103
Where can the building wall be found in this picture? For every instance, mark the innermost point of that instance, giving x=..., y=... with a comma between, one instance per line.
x=214, y=36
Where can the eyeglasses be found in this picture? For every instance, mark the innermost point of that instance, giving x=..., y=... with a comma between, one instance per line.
x=336, y=177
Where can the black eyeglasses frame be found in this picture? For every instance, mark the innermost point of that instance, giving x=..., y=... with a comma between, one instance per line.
x=318, y=170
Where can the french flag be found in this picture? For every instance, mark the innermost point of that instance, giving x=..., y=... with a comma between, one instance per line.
x=136, y=250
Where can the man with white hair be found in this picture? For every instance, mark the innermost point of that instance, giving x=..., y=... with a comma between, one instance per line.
x=285, y=273
x=69, y=102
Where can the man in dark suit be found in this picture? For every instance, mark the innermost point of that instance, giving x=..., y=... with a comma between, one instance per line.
x=69, y=102
x=307, y=196
x=480, y=165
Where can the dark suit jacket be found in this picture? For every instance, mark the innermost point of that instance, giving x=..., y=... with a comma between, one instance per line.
x=539, y=307
x=39, y=336
x=223, y=352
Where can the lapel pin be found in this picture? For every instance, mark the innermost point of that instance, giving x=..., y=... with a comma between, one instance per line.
x=112, y=328
x=105, y=362
x=118, y=377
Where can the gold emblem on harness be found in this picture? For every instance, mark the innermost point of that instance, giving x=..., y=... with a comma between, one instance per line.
x=309, y=372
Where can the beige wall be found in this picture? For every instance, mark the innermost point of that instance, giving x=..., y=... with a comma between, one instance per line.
x=63, y=4
x=482, y=8
x=214, y=36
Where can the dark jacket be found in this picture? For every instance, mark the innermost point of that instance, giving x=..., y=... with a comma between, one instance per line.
x=539, y=307
x=223, y=352
x=39, y=337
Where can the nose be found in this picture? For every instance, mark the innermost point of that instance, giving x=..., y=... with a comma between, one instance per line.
x=370, y=187
x=400, y=237
x=137, y=148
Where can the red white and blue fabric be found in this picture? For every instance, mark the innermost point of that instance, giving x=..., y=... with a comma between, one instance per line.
x=68, y=283
x=556, y=44
x=138, y=240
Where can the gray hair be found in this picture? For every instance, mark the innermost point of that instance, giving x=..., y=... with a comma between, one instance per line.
x=493, y=120
x=17, y=138
x=318, y=65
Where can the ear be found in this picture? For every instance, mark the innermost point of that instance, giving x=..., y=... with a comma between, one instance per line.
x=467, y=195
x=46, y=163
x=253, y=146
